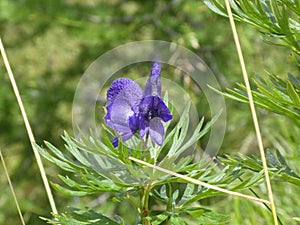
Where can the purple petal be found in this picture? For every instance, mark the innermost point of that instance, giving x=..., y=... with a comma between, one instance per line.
x=115, y=88
x=153, y=85
x=125, y=137
x=134, y=123
x=155, y=70
x=115, y=142
x=118, y=114
x=124, y=89
x=166, y=117
x=156, y=130
x=153, y=106
x=163, y=111
x=144, y=127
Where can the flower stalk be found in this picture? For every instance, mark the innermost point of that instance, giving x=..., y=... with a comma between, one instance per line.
x=145, y=205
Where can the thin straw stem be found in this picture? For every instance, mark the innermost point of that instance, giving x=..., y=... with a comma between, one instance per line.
x=198, y=182
x=28, y=129
x=253, y=111
x=11, y=188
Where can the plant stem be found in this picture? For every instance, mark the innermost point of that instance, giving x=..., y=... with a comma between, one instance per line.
x=145, y=205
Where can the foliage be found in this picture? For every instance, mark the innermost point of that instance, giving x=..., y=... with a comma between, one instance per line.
x=49, y=45
x=82, y=217
x=278, y=167
x=278, y=24
x=273, y=94
x=96, y=167
x=275, y=19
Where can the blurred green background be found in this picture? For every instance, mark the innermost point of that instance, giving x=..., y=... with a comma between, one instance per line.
x=50, y=44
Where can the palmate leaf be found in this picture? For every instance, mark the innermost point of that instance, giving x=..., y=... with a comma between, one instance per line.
x=96, y=167
x=280, y=163
x=69, y=192
x=99, y=167
x=228, y=181
x=157, y=177
x=83, y=217
x=167, y=218
x=180, y=131
x=207, y=217
x=178, y=135
x=293, y=5
x=159, y=219
x=227, y=178
x=199, y=215
x=278, y=168
x=87, y=185
x=277, y=19
x=201, y=171
x=184, y=215
x=62, y=161
x=177, y=220
x=273, y=94
x=86, y=180
x=173, y=160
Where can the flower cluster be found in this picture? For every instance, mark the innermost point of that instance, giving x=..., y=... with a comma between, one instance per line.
x=131, y=110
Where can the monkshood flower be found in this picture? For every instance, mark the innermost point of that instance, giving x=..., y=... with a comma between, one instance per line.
x=131, y=110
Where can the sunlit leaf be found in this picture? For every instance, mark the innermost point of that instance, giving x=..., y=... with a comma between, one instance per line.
x=83, y=217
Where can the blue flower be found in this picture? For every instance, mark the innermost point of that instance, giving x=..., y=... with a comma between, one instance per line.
x=131, y=110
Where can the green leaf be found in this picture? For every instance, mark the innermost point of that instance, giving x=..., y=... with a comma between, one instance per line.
x=294, y=81
x=169, y=163
x=282, y=173
x=272, y=94
x=207, y=217
x=211, y=217
x=69, y=192
x=159, y=219
x=293, y=94
x=196, y=212
x=272, y=158
x=188, y=193
x=177, y=220
x=281, y=158
x=83, y=217
x=271, y=18
x=216, y=7
x=64, y=163
x=198, y=133
x=181, y=131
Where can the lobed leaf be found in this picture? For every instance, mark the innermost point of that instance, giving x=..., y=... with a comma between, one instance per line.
x=273, y=94
x=272, y=18
x=83, y=217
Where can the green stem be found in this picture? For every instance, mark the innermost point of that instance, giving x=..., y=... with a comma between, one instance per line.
x=145, y=205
